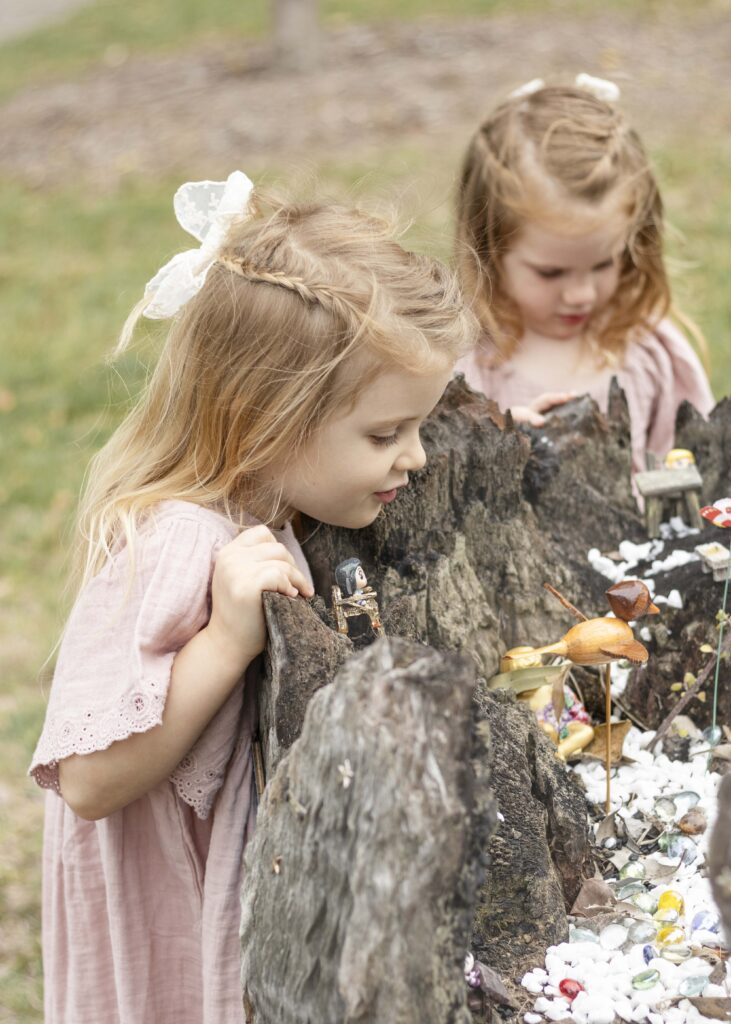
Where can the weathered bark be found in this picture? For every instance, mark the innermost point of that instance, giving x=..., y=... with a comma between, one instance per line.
x=460, y=559
x=541, y=850
x=719, y=856
x=361, y=879
x=302, y=655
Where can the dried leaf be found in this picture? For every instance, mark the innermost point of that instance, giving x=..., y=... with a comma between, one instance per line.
x=521, y=679
x=701, y=696
x=607, y=828
x=558, y=698
x=595, y=897
x=676, y=687
x=708, y=1006
x=655, y=872
x=598, y=746
x=689, y=679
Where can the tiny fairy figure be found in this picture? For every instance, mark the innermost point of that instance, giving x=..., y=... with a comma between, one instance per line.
x=352, y=596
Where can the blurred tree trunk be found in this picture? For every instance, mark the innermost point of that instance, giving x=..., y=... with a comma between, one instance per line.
x=297, y=39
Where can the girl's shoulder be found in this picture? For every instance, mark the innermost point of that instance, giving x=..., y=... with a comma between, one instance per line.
x=662, y=359
x=167, y=515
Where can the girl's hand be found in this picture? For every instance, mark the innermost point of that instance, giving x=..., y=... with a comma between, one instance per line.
x=252, y=563
x=531, y=414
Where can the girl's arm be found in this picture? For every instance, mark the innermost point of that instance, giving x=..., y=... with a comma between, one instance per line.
x=205, y=672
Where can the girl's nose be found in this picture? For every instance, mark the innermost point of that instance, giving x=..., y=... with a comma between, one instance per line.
x=580, y=292
x=411, y=457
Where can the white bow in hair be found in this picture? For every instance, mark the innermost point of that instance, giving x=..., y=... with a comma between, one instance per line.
x=206, y=209
x=602, y=88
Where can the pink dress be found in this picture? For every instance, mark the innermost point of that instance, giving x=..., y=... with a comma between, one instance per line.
x=660, y=370
x=141, y=909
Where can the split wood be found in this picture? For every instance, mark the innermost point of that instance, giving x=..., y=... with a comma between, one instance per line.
x=687, y=697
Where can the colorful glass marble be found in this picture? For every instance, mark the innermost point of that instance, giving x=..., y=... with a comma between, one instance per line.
x=665, y=809
x=633, y=869
x=646, y=979
x=642, y=931
x=570, y=988
x=676, y=954
x=648, y=953
x=670, y=935
x=671, y=900
x=666, y=915
x=579, y=934
x=705, y=921
x=645, y=901
x=693, y=985
x=627, y=889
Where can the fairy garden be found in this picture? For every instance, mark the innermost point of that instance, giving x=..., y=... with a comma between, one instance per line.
x=439, y=834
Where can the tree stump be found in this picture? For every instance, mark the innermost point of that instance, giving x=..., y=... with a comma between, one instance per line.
x=361, y=879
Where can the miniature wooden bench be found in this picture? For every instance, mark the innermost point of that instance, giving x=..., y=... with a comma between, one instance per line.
x=681, y=486
x=714, y=558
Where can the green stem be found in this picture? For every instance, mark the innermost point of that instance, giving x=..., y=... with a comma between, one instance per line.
x=720, y=640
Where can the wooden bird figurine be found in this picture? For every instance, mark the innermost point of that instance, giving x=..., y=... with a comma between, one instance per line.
x=630, y=600
x=597, y=641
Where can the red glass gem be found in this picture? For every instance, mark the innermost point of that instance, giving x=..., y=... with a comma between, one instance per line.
x=570, y=988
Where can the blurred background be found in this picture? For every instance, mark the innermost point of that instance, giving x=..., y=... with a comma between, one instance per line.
x=107, y=106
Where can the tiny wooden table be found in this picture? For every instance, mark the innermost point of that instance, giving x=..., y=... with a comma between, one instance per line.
x=681, y=486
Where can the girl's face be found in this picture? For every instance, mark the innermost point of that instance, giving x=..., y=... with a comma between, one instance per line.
x=560, y=279
x=357, y=462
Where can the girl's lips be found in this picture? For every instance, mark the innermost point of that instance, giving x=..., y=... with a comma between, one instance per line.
x=573, y=318
x=387, y=496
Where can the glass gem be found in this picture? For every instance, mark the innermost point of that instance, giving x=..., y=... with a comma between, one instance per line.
x=705, y=921
x=579, y=934
x=693, y=985
x=676, y=954
x=667, y=838
x=645, y=901
x=670, y=935
x=613, y=936
x=633, y=869
x=646, y=979
x=648, y=953
x=713, y=735
x=667, y=915
x=665, y=809
x=642, y=931
x=627, y=889
x=671, y=900
x=570, y=988
x=684, y=800
x=682, y=847
x=610, y=843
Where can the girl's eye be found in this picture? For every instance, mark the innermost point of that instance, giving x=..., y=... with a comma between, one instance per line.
x=384, y=441
x=548, y=275
x=604, y=265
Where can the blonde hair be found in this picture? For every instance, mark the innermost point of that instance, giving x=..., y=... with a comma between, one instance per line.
x=251, y=367
x=558, y=144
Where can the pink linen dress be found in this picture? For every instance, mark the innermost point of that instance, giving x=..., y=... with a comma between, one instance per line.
x=660, y=370
x=141, y=908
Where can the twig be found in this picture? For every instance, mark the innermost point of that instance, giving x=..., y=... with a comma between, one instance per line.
x=608, y=731
x=632, y=715
x=567, y=604
x=686, y=698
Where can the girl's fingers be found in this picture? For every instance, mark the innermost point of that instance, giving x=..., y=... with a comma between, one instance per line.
x=264, y=550
x=296, y=579
x=551, y=399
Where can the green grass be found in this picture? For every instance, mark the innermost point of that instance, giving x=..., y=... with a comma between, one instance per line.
x=107, y=30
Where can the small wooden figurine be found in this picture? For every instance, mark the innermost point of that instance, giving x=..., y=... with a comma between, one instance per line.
x=679, y=483
x=352, y=596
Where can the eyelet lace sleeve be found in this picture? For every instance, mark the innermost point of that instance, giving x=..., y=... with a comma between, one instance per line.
x=118, y=648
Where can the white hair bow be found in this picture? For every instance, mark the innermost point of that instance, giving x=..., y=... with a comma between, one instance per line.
x=206, y=209
x=602, y=88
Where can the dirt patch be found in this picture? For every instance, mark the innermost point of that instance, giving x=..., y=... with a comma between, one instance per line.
x=206, y=110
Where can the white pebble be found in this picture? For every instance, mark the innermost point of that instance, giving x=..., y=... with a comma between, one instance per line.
x=674, y=599
x=532, y=1018
x=559, y=1010
x=623, y=1008
x=531, y=984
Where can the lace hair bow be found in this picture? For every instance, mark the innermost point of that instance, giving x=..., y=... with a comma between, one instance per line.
x=602, y=88
x=206, y=209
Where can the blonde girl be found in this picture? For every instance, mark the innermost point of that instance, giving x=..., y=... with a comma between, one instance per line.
x=560, y=246
x=306, y=349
